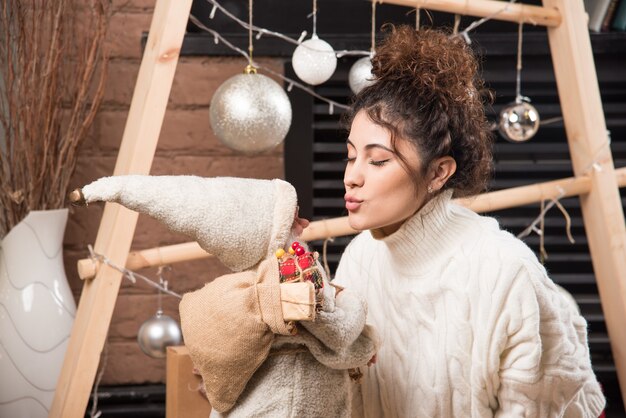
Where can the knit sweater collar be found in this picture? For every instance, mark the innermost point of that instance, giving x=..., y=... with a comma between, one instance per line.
x=426, y=236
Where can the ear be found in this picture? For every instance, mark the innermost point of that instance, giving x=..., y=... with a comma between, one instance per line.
x=441, y=170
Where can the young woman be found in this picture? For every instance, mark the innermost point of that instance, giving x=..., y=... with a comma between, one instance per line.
x=471, y=325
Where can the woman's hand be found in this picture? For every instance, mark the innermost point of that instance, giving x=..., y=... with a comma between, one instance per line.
x=299, y=224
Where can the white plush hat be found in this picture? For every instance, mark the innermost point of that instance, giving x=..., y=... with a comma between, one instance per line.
x=240, y=221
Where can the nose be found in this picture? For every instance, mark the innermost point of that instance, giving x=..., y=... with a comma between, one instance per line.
x=353, y=177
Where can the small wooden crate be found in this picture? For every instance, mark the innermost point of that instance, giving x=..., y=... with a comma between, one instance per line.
x=182, y=398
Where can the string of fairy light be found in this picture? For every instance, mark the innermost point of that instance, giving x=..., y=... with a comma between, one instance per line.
x=332, y=104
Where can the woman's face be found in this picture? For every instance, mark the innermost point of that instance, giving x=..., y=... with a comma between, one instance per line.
x=380, y=194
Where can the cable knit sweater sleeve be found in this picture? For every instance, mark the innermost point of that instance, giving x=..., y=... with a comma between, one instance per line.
x=342, y=340
x=544, y=369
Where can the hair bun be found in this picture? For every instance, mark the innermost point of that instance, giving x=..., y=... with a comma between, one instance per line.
x=429, y=61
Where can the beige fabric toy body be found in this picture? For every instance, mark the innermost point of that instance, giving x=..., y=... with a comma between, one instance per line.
x=250, y=362
x=229, y=326
x=306, y=375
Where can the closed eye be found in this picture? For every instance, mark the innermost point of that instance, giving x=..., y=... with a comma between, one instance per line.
x=379, y=163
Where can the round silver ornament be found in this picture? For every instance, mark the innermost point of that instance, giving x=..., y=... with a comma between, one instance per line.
x=519, y=121
x=360, y=75
x=250, y=113
x=157, y=333
x=314, y=61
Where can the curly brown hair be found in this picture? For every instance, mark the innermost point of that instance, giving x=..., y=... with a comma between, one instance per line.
x=427, y=90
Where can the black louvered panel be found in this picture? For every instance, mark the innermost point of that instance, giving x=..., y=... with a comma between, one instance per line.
x=545, y=157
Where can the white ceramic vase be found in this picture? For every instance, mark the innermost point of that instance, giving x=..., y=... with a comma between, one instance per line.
x=36, y=313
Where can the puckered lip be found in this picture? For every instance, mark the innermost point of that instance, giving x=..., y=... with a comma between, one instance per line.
x=352, y=199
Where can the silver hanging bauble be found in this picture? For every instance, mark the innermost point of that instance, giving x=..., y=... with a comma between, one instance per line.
x=157, y=333
x=250, y=113
x=519, y=121
x=314, y=61
x=360, y=75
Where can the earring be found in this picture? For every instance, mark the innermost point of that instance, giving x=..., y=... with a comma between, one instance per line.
x=430, y=189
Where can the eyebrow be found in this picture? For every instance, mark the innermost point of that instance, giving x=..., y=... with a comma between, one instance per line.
x=369, y=146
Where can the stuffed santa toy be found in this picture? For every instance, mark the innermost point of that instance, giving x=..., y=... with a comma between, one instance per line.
x=252, y=361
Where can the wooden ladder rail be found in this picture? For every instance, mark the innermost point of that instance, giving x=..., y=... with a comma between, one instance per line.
x=117, y=226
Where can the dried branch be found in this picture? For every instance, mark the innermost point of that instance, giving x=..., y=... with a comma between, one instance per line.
x=52, y=73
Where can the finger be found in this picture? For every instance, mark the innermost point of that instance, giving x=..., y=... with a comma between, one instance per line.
x=297, y=229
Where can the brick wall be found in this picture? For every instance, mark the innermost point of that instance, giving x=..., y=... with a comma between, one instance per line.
x=186, y=146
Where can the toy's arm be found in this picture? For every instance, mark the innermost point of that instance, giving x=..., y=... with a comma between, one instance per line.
x=342, y=340
x=341, y=319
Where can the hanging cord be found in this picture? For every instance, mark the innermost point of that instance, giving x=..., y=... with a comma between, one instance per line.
x=457, y=23
x=103, y=364
x=324, y=257
x=163, y=282
x=313, y=15
x=373, y=44
x=314, y=35
x=250, y=31
x=518, y=76
x=568, y=222
x=129, y=274
x=417, y=18
x=250, y=69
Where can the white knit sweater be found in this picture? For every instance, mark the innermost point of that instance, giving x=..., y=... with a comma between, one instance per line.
x=471, y=325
